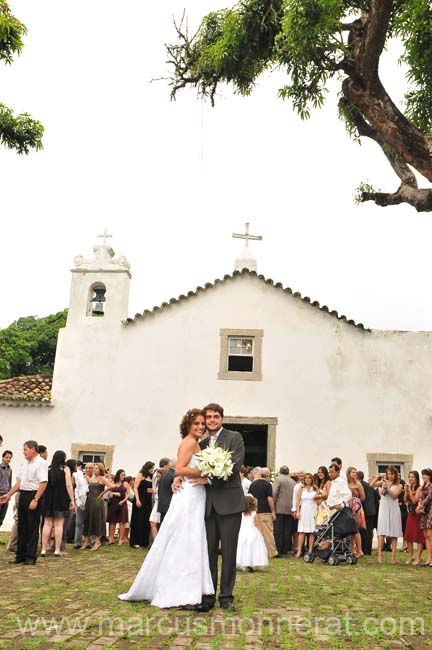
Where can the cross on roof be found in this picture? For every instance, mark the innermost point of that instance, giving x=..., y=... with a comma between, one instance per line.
x=105, y=236
x=247, y=236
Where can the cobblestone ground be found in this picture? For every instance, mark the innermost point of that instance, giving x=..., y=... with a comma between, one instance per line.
x=71, y=603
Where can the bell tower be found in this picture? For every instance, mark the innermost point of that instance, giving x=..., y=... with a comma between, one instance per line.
x=100, y=288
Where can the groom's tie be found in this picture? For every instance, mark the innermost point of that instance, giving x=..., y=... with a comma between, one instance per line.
x=212, y=441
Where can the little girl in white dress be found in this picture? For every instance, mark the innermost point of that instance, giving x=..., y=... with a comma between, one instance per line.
x=251, y=548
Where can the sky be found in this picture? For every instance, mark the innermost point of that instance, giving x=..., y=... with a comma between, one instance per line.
x=171, y=181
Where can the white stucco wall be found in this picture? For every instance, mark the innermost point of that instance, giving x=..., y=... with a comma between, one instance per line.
x=335, y=389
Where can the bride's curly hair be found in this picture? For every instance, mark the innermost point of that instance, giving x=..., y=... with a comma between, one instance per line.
x=187, y=420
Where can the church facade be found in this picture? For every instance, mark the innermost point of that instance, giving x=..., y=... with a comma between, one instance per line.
x=301, y=383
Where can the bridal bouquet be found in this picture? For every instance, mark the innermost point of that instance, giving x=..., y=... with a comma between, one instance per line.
x=215, y=462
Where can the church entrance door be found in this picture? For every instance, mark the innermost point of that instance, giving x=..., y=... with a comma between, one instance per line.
x=259, y=435
x=255, y=438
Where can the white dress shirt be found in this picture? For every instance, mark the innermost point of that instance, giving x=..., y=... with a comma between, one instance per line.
x=297, y=487
x=81, y=488
x=213, y=439
x=246, y=485
x=339, y=492
x=31, y=473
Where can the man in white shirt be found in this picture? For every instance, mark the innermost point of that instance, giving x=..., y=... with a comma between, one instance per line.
x=339, y=493
x=32, y=478
x=338, y=462
x=81, y=489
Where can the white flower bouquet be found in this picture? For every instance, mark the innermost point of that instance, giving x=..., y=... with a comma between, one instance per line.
x=215, y=462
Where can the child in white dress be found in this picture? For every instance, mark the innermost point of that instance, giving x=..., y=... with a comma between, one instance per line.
x=251, y=548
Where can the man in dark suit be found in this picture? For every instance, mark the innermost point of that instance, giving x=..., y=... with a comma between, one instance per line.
x=370, y=507
x=165, y=490
x=225, y=503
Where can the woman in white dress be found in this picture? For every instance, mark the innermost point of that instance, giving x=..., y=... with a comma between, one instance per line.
x=306, y=513
x=389, y=514
x=176, y=571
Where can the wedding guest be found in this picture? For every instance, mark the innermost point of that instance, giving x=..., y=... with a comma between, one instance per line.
x=261, y=489
x=299, y=482
x=338, y=462
x=163, y=466
x=404, y=515
x=58, y=498
x=43, y=452
x=5, y=481
x=88, y=471
x=94, y=512
x=117, y=508
x=13, y=535
x=306, y=512
x=355, y=503
x=424, y=509
x=69, y=521
x=370, y=507
x=165, y=492
x=81, y=489
x=32, y=478
x=256, y=474
x=283, y=489
x=244, y=473
x=251, y=548
x=155, y=515
x=322, y=484
x=130, y=480
x=139, y=536
x=339, y=493
x=389, y=515
x=413, y=532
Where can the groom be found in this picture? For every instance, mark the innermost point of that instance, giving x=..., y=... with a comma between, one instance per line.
x=225, y=503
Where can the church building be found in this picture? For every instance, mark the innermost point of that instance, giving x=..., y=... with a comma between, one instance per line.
x=301, y=383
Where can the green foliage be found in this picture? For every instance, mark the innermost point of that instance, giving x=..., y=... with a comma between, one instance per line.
x=309, y=39
x=235, y=45
x=28, y=346
x=11, y=33
x=414, y=25
x=364, y=188
x=311, y=47
x=20, y=132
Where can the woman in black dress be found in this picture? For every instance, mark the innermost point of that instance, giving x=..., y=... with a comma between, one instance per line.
x=59, y=498
x=117, y=508
x=140, y=520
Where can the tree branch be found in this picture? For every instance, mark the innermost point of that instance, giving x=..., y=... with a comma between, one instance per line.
x=420, y=199
x=375, y=27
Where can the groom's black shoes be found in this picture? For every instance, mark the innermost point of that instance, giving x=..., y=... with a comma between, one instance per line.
x=203, y=607
x=229, y=606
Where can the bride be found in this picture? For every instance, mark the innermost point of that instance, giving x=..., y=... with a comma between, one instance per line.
x=176, y=570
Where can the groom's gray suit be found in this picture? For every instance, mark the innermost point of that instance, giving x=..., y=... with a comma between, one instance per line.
x=225, y=503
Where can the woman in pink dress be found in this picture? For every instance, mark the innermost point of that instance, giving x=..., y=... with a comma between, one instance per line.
x=356, y=506
x=413, y=532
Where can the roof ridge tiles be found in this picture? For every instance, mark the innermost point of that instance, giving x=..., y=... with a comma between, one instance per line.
x=243, y=272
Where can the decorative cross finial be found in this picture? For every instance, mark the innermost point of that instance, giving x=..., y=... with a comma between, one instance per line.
x=247, y=236
x=105, y=236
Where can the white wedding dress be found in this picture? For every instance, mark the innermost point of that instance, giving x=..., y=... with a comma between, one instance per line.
x=176, y=570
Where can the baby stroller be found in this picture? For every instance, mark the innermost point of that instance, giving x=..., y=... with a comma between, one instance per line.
x=333, y=540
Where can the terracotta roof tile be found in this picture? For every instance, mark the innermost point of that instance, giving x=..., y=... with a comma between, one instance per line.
x=277, y=285
x=30, y=388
